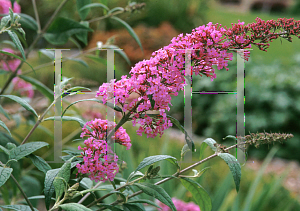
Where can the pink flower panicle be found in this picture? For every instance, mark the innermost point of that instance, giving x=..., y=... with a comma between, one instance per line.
x=162, y=76
x=99, y=161
x=180, y=206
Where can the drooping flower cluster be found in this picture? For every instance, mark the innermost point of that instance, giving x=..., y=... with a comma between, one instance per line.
x=11, y=64
x=258, y=139
x=99, y=161
x=180, y=206
x=6, y=4
x=157, y=79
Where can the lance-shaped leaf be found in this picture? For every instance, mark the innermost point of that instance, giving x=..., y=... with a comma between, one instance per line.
x=17, y=42
x=4, y=175
x=18, y=207
x=2, y=124
x=153, y=159
x=21, y=102
x=74, y=207
x=68, y=118
x=131, y=207
x=234, y=167
x=81, y=3
x=157, y=192
x=40, y=86
x=130, y=30
x=27, y=21
x=94, y=5
x=144, y=201
x=188, y=139
x=62, y=178
x=3, y=111
x=26, y=149
x=199, y=194
x=48, y=186
x=112, y=208
x=207, y=142
x=40, y=163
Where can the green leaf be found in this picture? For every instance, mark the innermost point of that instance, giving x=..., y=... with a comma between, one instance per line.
x=80, y=61
x=62, y=178
x=11, y=14
x=62, y=28
x=18, y=207
x=210, y=142
x=113, y=208
x=83, y=36
x=94, y=5
x=153, y=159
x=27, y=21
x=109, y=104
x=5, y=127
x=202, y=149
x=131, y=207
x=144, y=201
x=49, y=54
x=17, y=42
x=4, y=175
x=234, y=167
x=4, y=112
x=68, y=118
x=83, y=12
x=13, y=55
x=74, y=90
x=188, y=139
x=48, y=186
x=97, y=59
x=116, y=9
x=26, y=149
x=21, y=102
x=130, y=30
x=22, y=32
x=157, y=192
x=199, y=194
x=135, y=174
x=40, y=163
x=5, y=150
x=4, y=21
x=184, y=150
x=40, y=86
x=120, y=52
x=74, y=207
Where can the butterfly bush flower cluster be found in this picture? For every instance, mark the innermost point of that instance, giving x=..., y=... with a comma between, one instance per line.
x=11, y=64
x=162, y=76
x=99, y=161
x=180, y=205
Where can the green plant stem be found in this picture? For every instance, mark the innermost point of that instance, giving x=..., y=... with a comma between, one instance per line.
x=33, y=44
x=23, y=193
x=36, y=16
x=161, y=181
x=40, y=119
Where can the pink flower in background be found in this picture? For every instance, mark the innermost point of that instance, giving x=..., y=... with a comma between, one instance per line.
x=23, y=87
x=6, y=4
x=12, y=63
x=180, y=205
